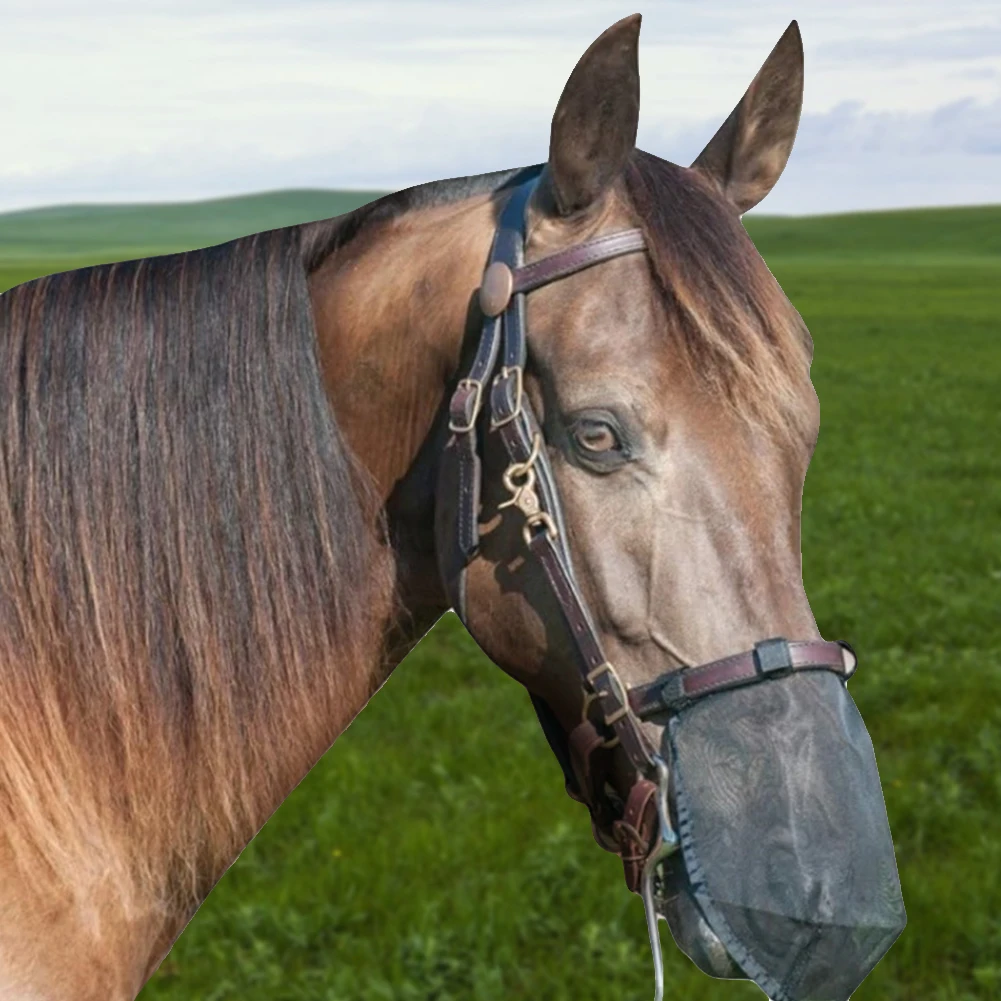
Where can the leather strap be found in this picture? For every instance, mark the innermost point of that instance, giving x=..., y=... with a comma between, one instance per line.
x=459, y=471
x=600, y=676
x=774, y=658
x=577, y=258
x=560, y=746
x=512, y=417
x=637, y=830
x=584, y=741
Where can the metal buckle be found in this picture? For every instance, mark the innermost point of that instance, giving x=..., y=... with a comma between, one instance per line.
x=618, y=687
x=520, y=469
x=773, y=657
x=477, y=403
x=518, y=392
x=524, y=497
x=539, y=518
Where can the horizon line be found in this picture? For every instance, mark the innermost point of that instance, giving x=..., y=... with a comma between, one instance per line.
x=100, y=203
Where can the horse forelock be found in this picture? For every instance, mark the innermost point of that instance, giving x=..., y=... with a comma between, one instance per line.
x=740, y=335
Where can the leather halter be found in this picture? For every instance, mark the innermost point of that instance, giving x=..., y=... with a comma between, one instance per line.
x=530, y=480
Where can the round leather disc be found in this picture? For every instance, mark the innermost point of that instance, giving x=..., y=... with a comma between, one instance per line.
x=495, y=292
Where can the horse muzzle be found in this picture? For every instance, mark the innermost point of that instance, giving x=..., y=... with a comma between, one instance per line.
x=784, y=871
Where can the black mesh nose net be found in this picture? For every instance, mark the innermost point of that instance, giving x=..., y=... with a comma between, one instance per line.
x=784, y=834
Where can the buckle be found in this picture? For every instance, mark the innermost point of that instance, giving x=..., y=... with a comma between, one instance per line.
x=773, y=658
x=528, y=532
x=477, y=387
x=618, y=690
x=502, y=376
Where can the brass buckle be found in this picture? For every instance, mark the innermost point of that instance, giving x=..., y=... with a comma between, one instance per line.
x=477, y=403
x=539, y=518
x=518, y=392
x=619, y=689
x=524, y=497
x=522, y=494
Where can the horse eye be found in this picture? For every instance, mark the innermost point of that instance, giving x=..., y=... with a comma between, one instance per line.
x=596, y=436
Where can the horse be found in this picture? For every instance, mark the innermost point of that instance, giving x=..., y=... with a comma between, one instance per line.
x=226, y=511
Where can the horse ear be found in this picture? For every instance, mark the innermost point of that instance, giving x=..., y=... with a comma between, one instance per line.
x=747, y=155
x=594, y=128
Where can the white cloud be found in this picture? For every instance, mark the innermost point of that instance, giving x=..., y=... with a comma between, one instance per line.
x=121, y=101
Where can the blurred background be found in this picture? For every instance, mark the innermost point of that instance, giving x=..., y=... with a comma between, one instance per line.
x=433, y=854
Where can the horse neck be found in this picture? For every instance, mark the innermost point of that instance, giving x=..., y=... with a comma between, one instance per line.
x=392, y=310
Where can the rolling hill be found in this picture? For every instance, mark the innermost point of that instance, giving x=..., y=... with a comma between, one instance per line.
x=66, y=232
x=84, y=233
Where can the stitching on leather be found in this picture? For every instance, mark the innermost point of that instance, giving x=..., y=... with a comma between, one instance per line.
x=467, y=471
x=697, y=672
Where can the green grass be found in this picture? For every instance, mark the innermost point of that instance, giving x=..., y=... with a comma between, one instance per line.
x=123, y=232
x=945, y=233
x=433, y=855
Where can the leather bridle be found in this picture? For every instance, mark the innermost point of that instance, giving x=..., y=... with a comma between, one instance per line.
x=498, y=369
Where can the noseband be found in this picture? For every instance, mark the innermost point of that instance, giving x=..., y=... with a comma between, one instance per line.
x=644, y=828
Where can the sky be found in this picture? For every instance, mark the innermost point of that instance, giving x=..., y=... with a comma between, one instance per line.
x=147, y=100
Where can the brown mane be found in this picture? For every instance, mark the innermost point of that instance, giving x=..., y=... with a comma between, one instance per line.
x=188, y=564
x=740, y=335
x=321, y=239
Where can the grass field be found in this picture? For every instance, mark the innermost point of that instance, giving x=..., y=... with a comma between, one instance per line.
x=433, y=855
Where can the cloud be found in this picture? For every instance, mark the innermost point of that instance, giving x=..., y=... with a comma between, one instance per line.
x=194, y=98
x=981, y=41
x=844, y=159
x=966, y=127
x=852, y=158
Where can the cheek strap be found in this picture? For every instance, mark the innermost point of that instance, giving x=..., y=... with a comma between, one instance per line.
x=499, y=363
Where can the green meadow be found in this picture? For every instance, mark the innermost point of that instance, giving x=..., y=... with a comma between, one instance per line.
x=433, y=856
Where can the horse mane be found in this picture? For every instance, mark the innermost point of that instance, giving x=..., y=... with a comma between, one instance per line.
x=740, y=336
x=192, y=575
x=320, y=239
